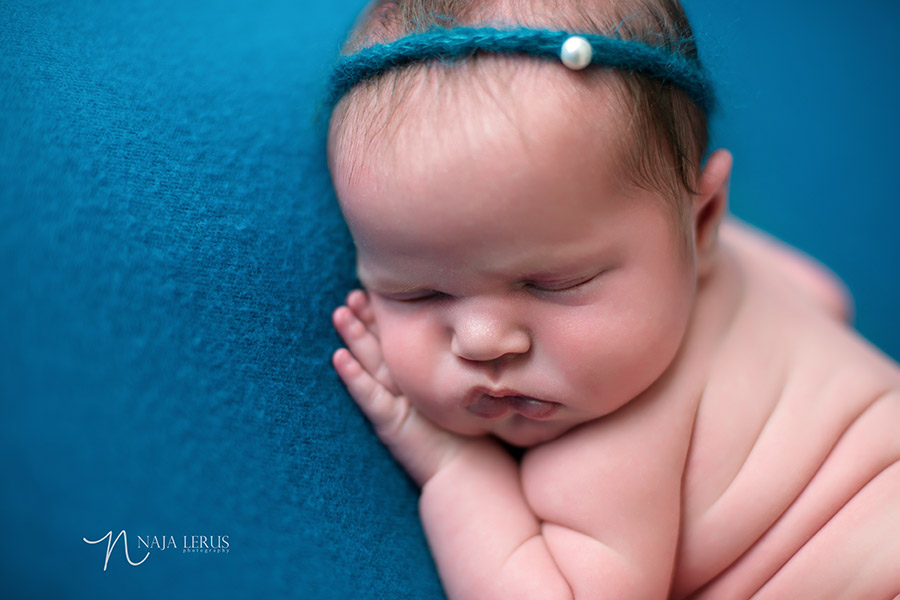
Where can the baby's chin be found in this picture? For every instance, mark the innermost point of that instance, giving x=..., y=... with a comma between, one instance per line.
x=525, y=433
x=514, y=430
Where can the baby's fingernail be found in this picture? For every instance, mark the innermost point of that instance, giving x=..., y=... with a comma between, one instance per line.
x=342, y=315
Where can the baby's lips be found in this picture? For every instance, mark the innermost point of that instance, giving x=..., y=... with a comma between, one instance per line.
x=488, y=407
x=532, y=407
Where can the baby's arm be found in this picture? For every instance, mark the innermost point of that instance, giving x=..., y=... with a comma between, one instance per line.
x=484, y=537
x=595, y=533
x=609, y=496
x=761, y=251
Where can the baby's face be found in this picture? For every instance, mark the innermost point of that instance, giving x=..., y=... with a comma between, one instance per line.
x=518, y=288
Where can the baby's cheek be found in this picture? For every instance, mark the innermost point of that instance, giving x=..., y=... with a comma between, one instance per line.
x=616, y=354
x=410, y=356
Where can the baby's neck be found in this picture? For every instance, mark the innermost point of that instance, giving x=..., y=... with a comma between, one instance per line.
x=716, y=305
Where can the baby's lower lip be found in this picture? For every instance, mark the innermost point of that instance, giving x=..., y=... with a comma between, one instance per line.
x=490, y=407
x=533, y=408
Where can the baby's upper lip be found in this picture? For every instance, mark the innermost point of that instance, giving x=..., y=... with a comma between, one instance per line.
x=499, y=392
x=480, y=391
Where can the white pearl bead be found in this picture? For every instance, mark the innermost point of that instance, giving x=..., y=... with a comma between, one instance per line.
x=576, y=53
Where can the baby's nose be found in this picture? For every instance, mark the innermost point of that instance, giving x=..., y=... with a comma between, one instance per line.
x=483, y=335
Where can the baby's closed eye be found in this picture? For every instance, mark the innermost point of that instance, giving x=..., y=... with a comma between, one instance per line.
x=563, y=285
x=413, y=296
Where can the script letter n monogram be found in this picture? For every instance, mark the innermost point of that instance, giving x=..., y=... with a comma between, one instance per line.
x=110, y=544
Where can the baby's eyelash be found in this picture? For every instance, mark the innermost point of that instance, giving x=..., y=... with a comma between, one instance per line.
x=417, y=296
x=561, y=286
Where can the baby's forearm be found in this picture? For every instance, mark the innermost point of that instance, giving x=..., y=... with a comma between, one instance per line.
x=486, y=540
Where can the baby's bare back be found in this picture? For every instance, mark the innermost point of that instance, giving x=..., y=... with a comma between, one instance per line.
x=792, y=479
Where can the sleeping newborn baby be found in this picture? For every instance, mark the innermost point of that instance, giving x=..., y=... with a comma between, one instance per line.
x=547, y=265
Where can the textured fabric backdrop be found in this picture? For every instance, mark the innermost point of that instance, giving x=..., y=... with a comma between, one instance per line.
x=170, y=252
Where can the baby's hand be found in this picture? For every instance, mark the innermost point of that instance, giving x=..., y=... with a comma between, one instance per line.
x=419, y=446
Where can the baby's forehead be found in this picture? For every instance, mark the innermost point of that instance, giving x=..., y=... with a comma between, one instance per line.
x=493, y=103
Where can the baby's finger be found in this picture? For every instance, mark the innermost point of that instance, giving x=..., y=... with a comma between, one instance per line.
x=358, y=301
x=414, y=441
x=385, y=410
x=364, y=346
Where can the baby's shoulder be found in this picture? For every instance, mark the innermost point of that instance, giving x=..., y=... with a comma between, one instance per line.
x=791, y=346
x=786, y=376
x=784, y=384
x=791, y=393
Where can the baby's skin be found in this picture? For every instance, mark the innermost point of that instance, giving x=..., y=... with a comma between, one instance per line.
x=698, y=419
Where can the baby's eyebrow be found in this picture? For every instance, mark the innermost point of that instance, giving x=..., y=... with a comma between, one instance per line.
x=543, y=276
x=369, y=280
x=550, y=276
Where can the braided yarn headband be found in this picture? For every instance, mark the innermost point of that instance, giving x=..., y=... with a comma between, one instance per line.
x=575, y=51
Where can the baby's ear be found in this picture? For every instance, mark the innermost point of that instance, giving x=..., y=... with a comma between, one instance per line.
x=710, y=206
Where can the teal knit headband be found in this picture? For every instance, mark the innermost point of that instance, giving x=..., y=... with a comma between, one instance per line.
x=575, y=51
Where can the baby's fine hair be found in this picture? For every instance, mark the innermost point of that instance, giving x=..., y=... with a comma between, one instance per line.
x=668, y=133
